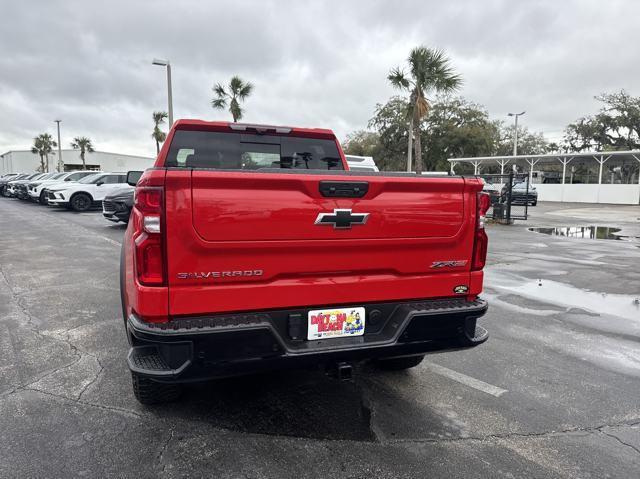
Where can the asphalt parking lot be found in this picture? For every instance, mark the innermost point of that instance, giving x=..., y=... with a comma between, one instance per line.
x=555, y=392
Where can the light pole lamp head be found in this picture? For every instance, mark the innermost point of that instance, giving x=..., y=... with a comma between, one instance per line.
x=516, y=114
x=162, y=63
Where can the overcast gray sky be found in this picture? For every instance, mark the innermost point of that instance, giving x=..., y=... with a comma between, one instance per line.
x=320, y=64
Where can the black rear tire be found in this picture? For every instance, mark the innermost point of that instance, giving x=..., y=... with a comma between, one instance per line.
x=148, y=391
x=81, y=202
x=399, y=364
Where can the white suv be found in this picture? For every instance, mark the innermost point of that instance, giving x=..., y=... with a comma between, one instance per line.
x=89, y=191
x=37, y=189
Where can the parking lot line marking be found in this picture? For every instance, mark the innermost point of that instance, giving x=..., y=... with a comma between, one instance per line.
x=466, y=380
x=109, y=240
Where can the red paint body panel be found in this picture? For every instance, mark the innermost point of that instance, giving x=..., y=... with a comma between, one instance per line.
x=228, y=221
x=247, y=206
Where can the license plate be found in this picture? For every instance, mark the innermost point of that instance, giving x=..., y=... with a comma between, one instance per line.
x=335, y=323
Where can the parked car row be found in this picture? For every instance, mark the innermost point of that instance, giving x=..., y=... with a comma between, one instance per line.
x=77, y=190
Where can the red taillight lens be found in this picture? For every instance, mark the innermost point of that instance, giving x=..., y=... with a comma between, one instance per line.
x=149, y=260
x=148, y=199
x=149, y=238
x=484, y=203
x=480, y=244
x=480, y=240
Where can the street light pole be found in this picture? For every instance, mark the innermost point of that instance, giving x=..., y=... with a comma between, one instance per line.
x=60, y=163
x=515, y=132
x=166, y=63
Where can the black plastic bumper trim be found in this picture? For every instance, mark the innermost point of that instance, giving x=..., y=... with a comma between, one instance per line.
x=155, y=342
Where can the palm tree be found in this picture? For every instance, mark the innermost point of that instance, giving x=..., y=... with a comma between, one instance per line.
x=158, y=118
x=43, y=146
x=238, y=90
x=429, y=72
x=83, y=144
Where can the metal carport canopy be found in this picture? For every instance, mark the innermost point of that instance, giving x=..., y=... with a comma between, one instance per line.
x=600, y=157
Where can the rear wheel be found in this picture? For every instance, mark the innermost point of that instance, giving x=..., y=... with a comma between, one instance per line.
x=80, y=202
x=148, y=391
x=399, y=364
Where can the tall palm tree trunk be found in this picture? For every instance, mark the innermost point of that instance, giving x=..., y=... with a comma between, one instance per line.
x=417, y=144
x=84, y=165
x=157, y=147
x=410, y=146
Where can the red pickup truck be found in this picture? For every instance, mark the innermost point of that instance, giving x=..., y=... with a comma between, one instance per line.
x=253, y=247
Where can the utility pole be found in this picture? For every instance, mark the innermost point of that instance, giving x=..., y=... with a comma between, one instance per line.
x=515, y=132
x=60, y=163
x=166, y=63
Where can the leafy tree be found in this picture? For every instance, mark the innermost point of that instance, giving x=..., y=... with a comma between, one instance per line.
x=43, y=146
x=158, y=135
x=390, y=122
x=429, y=72
x=362, y=143
x=83, y=144
x=454, y=128
x=457, y=128
x=236, y=92
x=615, y=127
x=528, y=143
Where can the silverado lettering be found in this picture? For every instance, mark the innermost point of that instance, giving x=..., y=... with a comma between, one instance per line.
x=381, y=267
x=220, y=274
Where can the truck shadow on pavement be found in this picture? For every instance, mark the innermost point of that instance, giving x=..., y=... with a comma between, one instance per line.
x=294, y=403
x=308, y=404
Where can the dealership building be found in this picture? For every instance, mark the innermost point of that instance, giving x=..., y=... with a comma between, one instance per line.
x=23, y=161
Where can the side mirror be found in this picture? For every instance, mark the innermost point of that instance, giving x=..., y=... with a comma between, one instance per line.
x=100, y=183
x=133, y=177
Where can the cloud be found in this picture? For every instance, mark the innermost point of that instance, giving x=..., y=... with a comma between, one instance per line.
x=313, y=63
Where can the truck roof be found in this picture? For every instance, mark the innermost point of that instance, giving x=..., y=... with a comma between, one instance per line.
x=192, y=124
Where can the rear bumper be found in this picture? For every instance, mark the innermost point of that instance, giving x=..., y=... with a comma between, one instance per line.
x=211, y=347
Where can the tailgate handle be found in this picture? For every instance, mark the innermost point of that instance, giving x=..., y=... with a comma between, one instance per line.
x=344, y=189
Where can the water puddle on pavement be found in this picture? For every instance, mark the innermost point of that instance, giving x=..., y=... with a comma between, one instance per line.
x=583, y=232
x=575, y=299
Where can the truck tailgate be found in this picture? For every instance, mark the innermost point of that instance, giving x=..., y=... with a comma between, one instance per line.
x=266, y=207
x=239, y=241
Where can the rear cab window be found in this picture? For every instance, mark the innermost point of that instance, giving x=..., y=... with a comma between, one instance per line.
x=246, y=151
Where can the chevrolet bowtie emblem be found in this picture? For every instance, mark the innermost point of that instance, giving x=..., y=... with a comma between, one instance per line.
x=342, y=219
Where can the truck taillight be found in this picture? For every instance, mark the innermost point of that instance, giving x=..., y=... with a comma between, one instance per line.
x=480, y=241
x=148, y=199
x=149, y=238
x=149, y=259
